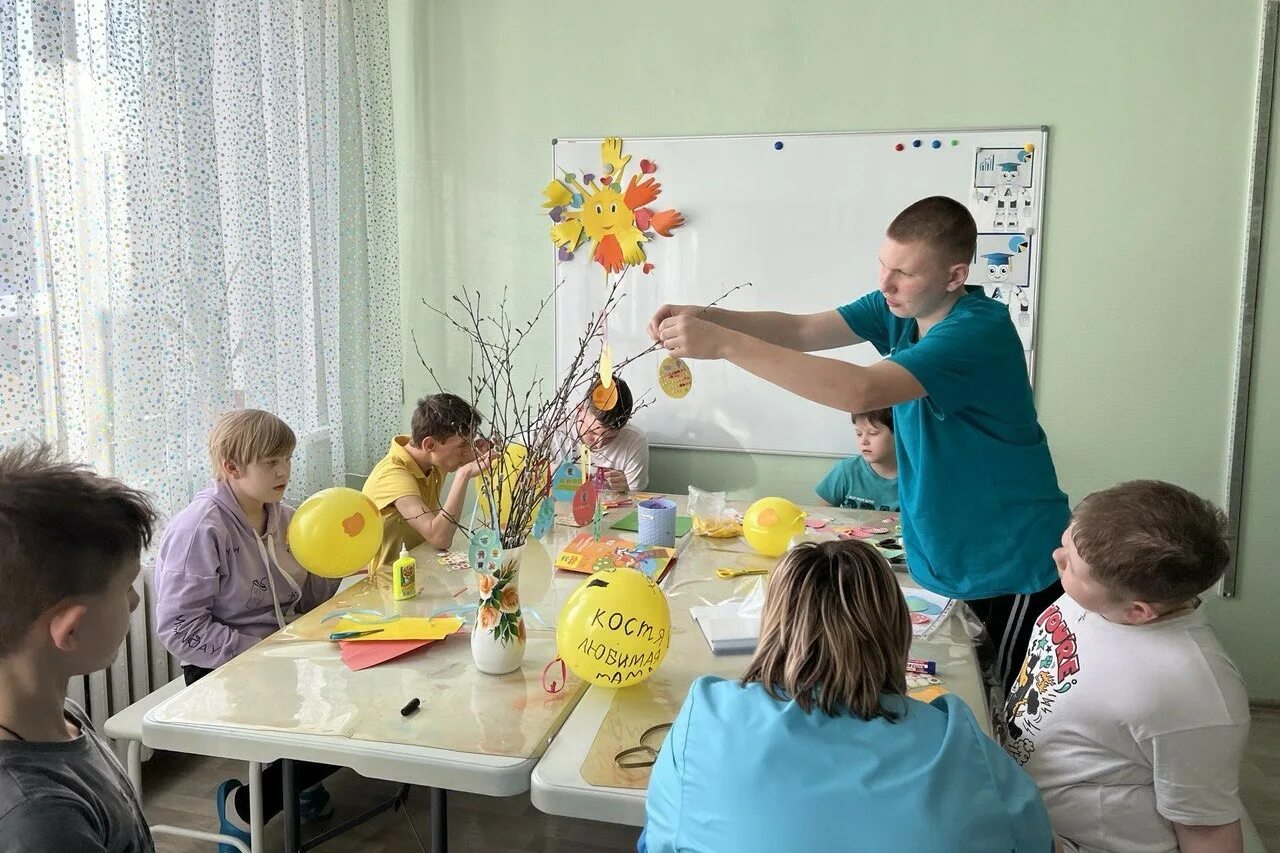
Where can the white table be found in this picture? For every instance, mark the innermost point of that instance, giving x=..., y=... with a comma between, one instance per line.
x=558, y=786
x=352, y=719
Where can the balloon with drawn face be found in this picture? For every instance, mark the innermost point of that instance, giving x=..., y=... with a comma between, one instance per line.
x=335, y=532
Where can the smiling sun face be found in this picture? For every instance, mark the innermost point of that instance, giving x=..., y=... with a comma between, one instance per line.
x=606, y=213
x=616, y=221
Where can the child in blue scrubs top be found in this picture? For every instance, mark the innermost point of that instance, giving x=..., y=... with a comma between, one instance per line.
x=819, y=748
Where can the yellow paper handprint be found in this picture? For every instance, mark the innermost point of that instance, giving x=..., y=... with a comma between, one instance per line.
x=567, y=233
x=611, y=154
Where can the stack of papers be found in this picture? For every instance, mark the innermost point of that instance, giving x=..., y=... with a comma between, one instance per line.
x=728, y=632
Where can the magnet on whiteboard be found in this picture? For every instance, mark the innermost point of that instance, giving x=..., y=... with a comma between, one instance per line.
x=1031, y=231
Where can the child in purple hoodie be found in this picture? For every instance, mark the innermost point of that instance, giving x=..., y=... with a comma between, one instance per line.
x=225, y=579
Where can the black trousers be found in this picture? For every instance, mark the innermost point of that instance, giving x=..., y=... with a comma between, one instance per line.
x=307, y=774
x=1009, y=620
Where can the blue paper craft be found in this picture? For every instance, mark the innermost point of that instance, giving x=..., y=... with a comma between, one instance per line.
x=566, y=480
x=546, y=517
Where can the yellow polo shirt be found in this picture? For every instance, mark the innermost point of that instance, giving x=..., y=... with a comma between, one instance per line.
x=396, y=476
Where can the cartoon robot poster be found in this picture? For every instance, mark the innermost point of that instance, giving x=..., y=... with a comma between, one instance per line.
x=1004, y=192
x=1003, y=268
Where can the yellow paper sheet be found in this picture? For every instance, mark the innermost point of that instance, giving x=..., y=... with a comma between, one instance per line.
x=405, y=628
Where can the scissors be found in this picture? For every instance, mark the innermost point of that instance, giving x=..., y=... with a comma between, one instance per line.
x=728, y=573
x=349, y=635
x=643, y=755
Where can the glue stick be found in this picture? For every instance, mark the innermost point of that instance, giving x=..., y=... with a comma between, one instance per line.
x=404, y=576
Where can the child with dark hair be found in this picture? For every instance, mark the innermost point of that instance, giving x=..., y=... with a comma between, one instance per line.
x=870, y=479
x=618, y=447
x=70, y=548
x=407, y=485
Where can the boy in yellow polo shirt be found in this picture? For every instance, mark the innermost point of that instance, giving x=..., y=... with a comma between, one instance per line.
x=407, y=483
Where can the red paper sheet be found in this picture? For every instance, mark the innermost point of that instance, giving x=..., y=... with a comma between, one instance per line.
x=369, y=653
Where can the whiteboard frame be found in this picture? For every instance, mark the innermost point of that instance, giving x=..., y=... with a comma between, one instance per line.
x=1042, y=129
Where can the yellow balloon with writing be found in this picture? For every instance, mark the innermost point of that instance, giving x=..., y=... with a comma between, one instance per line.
x=335, y=532
x=771, y=523
x=615, y=628
x=502, y=477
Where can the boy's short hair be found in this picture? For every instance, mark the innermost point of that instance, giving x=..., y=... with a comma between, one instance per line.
x=63, y=531
x=943, y=223
x=620, y=415
x=443, y=416
x=835, y=632
x=245, y=436
x=881, y=417
x=1152, y=540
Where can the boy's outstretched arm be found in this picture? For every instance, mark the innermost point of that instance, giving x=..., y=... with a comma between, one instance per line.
x=800, y=332
x=831, y=382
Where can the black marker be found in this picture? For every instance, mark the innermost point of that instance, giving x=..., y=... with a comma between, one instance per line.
x=410, y=708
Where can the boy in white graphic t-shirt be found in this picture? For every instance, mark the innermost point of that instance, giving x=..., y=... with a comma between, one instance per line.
x=1127, y=712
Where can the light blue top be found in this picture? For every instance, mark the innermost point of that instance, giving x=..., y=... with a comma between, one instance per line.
x=741, y=771
x=853, y=484
x=981, y=508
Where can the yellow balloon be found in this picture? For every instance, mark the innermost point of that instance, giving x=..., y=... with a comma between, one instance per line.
x=335, y=532
x=615, y=628
x=770, y=524
x=502, y=477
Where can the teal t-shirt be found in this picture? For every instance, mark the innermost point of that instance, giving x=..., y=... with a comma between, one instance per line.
x=853, y=484
x=981, y=508
x=743, y=771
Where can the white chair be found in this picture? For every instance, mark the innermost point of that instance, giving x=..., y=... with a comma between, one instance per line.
x=127, y=726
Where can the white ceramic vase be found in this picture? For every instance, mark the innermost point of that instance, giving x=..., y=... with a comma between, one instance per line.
x=498, y=638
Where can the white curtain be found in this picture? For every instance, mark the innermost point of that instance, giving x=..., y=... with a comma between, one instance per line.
x=197, y=213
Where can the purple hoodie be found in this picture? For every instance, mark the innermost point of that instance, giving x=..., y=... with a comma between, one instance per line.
x=213, y=595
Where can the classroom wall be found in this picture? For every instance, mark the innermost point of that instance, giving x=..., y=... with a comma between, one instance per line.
x=1150, y=108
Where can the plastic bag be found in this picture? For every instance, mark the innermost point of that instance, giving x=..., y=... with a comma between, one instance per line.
x=711, y=517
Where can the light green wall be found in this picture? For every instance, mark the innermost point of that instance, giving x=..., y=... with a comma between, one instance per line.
x=1150, y=107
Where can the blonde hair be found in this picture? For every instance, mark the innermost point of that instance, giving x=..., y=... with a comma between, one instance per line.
x=246, y=436
x=835, y=632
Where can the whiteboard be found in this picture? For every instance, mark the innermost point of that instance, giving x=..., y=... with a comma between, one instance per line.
x=801, y=217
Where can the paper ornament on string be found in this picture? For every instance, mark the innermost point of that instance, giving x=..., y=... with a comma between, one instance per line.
x=606, y=365
x=546, y=517
x=597, y=522
x=674, y=377
x=566, y=480
x=585, y=501
x=604, y=397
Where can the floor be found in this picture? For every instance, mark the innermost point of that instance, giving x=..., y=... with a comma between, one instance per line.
x=179, y=790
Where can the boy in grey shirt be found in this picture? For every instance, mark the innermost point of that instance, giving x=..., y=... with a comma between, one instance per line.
x=70, y=543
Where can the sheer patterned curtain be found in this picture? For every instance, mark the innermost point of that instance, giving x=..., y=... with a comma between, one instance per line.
x=198, y=213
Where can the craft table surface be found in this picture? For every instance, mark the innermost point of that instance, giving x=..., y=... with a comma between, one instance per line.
x=291, y=696
x=559, y=784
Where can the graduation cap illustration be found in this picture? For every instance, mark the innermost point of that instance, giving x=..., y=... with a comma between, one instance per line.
x=1009, y=167
x=997, y=258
